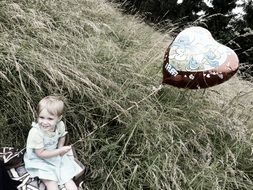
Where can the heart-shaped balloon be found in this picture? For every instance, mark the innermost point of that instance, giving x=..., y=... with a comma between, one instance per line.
x=196, y=60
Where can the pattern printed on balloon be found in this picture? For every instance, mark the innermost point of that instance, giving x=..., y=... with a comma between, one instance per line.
x=195, y=60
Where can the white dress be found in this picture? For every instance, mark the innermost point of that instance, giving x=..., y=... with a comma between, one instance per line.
x=59, y=168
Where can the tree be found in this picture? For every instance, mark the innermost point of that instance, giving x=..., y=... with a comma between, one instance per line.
x=190, y=9
x=248, y=17
x=222, y=6
x=219, y=19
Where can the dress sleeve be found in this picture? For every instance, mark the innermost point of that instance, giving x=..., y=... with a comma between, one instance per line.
x=61, y=129
x=35, y=139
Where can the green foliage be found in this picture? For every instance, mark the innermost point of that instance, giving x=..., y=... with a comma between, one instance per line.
x=107, y=65
x=162, y=10
x=249, y=13
x=219, y=19
x=222, y=7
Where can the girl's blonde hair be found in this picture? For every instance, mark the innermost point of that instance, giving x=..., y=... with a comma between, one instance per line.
x=53, y=104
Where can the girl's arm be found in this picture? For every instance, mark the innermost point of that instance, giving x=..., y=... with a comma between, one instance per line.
x=42, y=153
x=61, y=142
x=63, y=132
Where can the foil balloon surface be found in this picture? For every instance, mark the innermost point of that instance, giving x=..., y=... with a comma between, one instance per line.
x=196, y=60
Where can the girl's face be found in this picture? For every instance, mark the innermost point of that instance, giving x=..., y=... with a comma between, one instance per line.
x=48, y=121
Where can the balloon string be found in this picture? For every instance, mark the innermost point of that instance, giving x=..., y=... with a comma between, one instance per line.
x=80, y=140
x=131, y=107
x=117, y=116
x=135, y=105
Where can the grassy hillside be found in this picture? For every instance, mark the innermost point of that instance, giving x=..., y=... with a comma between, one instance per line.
x=104, y=62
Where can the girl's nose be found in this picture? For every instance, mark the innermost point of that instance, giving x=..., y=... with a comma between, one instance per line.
x=44, y=122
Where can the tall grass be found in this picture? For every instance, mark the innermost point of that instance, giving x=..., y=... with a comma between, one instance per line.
x=104, y=62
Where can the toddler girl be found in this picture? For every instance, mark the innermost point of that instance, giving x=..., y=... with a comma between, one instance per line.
x=45, y=155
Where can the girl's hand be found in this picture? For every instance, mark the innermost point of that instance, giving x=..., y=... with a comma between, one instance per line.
x=64, y=150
